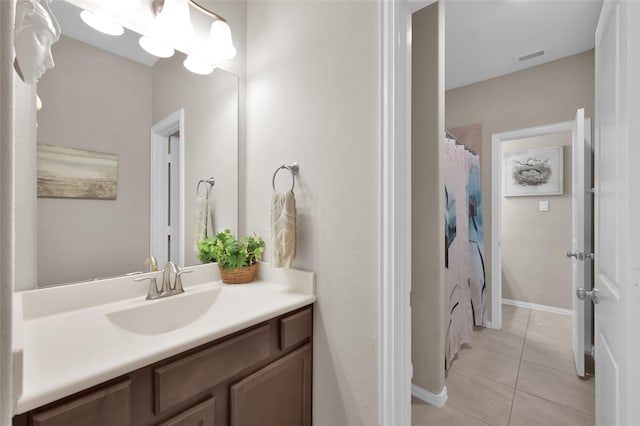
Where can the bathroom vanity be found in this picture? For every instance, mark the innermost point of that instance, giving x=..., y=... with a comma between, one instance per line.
x=246, y=359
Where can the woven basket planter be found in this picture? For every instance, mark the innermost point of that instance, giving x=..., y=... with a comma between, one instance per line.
x=241, y=275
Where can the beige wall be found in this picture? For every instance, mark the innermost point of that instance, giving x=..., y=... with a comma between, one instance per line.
x=235, y=12
x=97, y=101
x=312, y=97
x=428, y=288
x=210, y=104
x=27, y=220
x=534, y=266
x=545, y=94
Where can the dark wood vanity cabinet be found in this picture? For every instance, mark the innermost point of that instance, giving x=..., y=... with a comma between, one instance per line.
x=260, y=376
x=279, y=394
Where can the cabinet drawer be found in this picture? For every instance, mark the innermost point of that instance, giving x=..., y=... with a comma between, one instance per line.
x=107, y=406
x=203, y=414
x=295, y=328
x=192, y=375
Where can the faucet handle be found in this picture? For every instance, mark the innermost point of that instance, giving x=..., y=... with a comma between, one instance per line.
x=178, y=287
x=153, y=287
x=169, y=269
x=152, y=262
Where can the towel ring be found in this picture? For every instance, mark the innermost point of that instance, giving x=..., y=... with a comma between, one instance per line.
x=294, y=168
x=211, y=181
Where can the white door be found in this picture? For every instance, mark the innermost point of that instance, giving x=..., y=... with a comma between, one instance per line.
x=166, y=211
x=173, y=199
x=167, y=196
x=580, y=234
x=617, y=63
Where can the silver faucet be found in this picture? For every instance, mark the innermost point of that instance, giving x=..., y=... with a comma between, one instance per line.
x=153, y=293
x=171, y=282
x=169, y=269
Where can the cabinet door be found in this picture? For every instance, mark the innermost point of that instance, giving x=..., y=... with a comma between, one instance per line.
x=203, y=414
x=277, y=395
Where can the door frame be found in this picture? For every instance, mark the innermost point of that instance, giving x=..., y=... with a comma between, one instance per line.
x=394, y=223
x=7, y=209
x=496, y=204
x=159, y=133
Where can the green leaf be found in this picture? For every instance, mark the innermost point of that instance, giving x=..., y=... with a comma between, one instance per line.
x=229, y=252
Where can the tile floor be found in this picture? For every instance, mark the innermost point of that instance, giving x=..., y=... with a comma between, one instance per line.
x=522, y=375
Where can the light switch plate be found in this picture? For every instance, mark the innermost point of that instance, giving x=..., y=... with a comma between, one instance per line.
x=544, y=206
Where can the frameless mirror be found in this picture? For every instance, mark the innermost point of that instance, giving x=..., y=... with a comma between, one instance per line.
x=99, y=108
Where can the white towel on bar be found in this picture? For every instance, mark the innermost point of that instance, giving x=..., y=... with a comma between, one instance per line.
x=204, y=225
x=283, y=229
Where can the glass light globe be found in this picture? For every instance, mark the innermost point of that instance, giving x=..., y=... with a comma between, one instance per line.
x=220, y=42
x=101, y=23
x=156, y=47
x=198, y=65
x=176, y=17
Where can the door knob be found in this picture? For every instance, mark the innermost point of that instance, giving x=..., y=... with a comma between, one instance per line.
x=593, y=294
x=578, y=255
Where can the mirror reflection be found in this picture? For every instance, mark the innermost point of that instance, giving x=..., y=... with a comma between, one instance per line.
x=106, y=103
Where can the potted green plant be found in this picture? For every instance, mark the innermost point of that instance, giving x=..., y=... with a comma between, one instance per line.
x=238, y=260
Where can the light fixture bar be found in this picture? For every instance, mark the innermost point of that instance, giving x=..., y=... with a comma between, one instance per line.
x=156, y=7
x=206, y=11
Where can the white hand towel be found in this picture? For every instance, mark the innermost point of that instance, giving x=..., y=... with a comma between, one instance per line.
x=203, y=226
x=283, y=229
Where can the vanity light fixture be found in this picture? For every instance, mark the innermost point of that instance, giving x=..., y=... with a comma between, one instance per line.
x=197, y=65
x=172, y=17
x=220, y=43
x=101, y=23
x=219, y=47
x=154, y=46
x=127, y=5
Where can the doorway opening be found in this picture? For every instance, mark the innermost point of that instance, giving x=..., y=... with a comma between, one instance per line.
x=167, y=195
x=545, y=285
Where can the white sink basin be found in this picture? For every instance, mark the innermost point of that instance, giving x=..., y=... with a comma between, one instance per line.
x=165, y=314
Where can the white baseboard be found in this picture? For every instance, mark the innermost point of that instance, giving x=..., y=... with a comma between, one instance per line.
x=537, y=307
x=437, y=400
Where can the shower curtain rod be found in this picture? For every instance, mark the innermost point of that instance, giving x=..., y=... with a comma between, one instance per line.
x=458, y=141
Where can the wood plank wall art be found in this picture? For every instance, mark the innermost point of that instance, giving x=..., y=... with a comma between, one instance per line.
x=75, y=173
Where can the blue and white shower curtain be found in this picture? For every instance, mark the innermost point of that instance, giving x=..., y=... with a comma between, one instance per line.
x=464, y=247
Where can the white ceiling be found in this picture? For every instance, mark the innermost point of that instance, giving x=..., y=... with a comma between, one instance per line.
x=484, y=36
x=127, y=46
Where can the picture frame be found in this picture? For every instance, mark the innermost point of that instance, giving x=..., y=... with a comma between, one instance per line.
x=65, y=172
x=533, y=172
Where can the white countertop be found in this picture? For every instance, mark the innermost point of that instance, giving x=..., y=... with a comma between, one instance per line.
x=65, y=342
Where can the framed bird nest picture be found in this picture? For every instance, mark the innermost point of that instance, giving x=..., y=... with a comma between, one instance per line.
x=533, y=172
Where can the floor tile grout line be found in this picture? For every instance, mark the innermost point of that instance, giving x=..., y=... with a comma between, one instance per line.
x=515, y=388
x=500, y=353
x=465, y=413
x=471, y=373
x=547, y=366
x=557, y=403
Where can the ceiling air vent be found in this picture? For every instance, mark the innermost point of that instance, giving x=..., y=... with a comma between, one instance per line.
x=530, y=55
